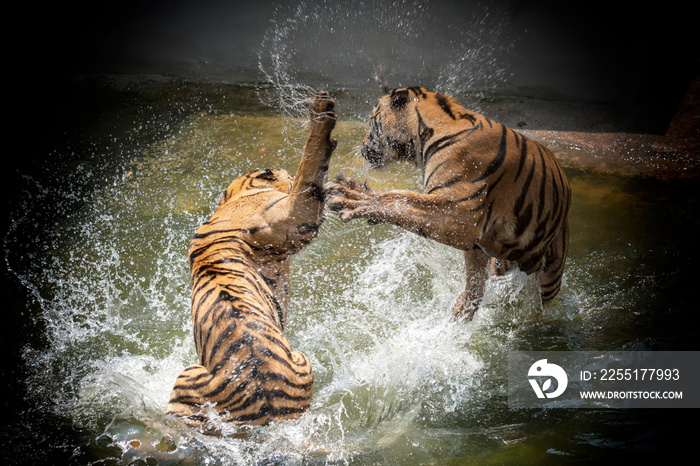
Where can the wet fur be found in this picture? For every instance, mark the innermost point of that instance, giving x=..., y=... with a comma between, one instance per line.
x=239, y=258
x=501, y=198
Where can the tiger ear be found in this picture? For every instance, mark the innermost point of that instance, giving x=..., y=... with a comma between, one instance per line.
x=399, y=98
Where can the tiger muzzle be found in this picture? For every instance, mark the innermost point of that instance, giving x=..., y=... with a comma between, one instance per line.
x=372, y=155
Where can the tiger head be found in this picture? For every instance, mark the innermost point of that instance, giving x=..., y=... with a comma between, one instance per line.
x=405, y=119
x=389, y=138
x=278, y=180
x=243, y=205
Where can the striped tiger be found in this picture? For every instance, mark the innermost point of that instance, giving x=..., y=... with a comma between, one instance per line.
x=240, y=269
x=501, y=198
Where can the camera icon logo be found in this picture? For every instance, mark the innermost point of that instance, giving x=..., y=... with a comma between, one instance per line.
x=544, y=371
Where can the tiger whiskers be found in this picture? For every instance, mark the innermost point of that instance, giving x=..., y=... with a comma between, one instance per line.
x=332, y=227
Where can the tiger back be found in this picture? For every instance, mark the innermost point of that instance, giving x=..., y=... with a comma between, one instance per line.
x=240, y=270
x=500, y=197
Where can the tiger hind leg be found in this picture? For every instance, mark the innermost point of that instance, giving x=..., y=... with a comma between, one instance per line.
x=476, y=262
x=554, y=260
x=186, y=401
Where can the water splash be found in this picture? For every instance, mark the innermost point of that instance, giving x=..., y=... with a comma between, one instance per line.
x=99, y=239
x=458, y=49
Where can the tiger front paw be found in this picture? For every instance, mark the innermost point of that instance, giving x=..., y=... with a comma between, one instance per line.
x=350, y=199
x=321, y=113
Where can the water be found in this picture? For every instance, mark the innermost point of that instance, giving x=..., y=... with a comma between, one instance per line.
x=97, y=248
x=99, y=236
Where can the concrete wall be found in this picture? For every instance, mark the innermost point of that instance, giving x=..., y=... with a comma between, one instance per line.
x=620, y=53
x=578, y=50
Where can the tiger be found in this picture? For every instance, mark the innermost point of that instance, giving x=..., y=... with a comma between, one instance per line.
x=240, y=272
x=489, y=191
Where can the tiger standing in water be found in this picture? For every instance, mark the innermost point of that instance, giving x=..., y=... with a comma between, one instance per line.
x=240, y=269
x=489, y=191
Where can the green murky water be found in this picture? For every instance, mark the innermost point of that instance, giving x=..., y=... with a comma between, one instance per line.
x=98, y=240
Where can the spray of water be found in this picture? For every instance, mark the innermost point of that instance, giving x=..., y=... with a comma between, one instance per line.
x=101, y=244
x=114, y=296
x=342, y=46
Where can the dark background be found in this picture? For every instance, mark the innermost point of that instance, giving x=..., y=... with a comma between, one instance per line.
x=602, y=51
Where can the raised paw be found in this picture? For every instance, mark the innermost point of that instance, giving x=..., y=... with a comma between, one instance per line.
x=321, y=109
x=349, y=198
